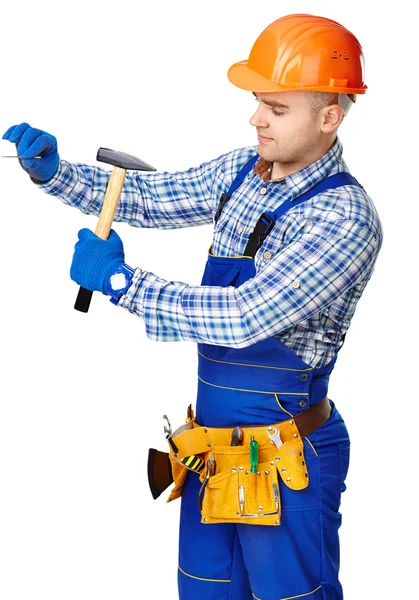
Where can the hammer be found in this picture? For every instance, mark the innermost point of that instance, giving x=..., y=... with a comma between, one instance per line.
x=121, y=162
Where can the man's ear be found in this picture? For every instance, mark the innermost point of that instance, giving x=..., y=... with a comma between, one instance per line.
x=331, y=118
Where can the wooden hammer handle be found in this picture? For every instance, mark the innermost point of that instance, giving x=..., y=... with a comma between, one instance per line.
x=113, y=193
x=104, y=226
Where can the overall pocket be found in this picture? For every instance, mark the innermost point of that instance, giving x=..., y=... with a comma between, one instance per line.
x=345, y=451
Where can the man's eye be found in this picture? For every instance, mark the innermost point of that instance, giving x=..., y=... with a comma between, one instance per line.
x=275, y=112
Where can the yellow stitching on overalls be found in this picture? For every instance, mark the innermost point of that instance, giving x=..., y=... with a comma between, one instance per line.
x=203, y=578
x=224, y=362
x=313, y=448
x=292, y=597
x=291, y=415
x=223, y=387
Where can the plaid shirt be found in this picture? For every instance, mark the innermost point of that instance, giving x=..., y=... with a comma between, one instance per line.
x=310, y=271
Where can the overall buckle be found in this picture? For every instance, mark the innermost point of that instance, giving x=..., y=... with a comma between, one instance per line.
x=262, y=229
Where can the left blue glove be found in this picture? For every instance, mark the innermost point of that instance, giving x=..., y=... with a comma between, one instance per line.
x=31, y=142
x=95, y=260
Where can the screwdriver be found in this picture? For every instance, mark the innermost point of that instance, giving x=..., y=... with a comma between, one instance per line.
x=254, y=455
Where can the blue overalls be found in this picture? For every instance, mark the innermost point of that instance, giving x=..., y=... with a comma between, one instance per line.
x=259, y=385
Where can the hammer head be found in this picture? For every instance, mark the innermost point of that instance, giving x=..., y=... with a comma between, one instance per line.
x=122, y=159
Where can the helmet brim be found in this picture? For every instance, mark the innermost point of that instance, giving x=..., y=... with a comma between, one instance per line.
x=244, y=78
x=241, y=76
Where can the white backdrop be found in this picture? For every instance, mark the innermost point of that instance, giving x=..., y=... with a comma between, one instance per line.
x=82, y=396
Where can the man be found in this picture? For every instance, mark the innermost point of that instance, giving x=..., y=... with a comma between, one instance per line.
x=295, y=243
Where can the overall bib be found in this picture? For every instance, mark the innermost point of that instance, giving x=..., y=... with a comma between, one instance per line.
x=258, y=385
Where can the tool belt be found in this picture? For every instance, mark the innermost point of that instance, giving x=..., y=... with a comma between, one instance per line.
x=235, y=488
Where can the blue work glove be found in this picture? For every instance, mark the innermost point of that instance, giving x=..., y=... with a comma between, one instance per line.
x=32, y=142
x=95, y=260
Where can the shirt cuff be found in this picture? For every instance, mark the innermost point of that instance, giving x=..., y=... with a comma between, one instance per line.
x=159, y=303
x=133, y=298
x=49, y=186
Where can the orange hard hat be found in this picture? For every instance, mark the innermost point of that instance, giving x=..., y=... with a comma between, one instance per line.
x=302, y=52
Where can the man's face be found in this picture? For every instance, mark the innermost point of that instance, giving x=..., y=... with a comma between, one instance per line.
x=288, y=130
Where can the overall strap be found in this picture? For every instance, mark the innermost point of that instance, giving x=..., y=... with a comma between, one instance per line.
x=238, y=180
x=267, y=221
x=329, y=183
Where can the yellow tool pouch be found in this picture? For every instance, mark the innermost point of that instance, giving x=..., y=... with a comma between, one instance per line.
x=236, y=495
x=230, y=491
x=179, y=473
x=187, y=447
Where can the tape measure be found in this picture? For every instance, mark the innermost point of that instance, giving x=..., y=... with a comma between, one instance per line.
x=194, y=462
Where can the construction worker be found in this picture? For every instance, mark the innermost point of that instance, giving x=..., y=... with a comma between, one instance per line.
x=295, y=242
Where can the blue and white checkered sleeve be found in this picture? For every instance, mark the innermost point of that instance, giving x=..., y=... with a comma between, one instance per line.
x=321, y=264
x=164, y=200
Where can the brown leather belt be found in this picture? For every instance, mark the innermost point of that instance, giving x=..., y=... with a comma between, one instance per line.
x=313, y=417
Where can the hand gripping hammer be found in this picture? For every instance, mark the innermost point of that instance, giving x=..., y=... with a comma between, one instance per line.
x=121, y=162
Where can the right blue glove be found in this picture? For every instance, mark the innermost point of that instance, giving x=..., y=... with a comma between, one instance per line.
x=95, y=260
x=32, y=142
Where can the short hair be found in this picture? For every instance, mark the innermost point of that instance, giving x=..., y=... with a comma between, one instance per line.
x=319, y=100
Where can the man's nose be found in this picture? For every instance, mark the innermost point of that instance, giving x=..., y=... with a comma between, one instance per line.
x=259, y=119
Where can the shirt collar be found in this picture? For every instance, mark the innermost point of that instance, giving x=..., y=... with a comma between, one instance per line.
x=303, y=180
